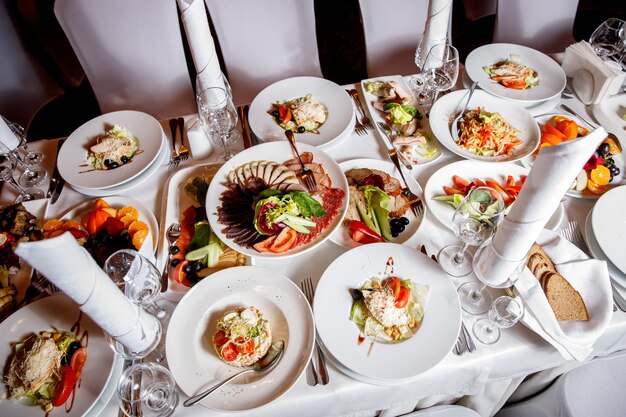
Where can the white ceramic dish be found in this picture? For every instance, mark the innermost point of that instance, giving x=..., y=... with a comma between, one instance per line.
x=117, y=202
x=610, y=113
x=279, y=152
x=608, y=223
x=386, y=363
x=171, y=211
x=59, y=311
x=341, y=237
x=552, y=79
x=138, y=180
x=72, y=159
x=446, y=108
x=340, y=117
x=470, y=170
x=377, y=116
x=192, y=358
x=597, y=252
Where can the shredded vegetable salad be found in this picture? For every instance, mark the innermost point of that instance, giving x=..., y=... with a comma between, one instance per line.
x=513, y=74
x=487, y=134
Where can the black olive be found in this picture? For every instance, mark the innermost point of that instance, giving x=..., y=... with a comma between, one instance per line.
x=276, y=114
x=196, y=266
x=404, y=221
x=400, y=228
x=125, y=159
x=301, y=129
x=174, y=250
x=356, y=294
x=175, y=262
x=187, y=269
x=615, y=171
x=113, y=164
x=394, y=223
x=394, y=233
x=71, y=349
x=604, y=149
x=107, y=163
x=405, y=191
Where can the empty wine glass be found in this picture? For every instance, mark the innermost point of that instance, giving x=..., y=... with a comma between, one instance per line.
x=147, y=390
x=150, y=330
x=26, y=157
x=503, y=313
x=8, y=164
x=474, y=221
x=609, y=39
x=218, y=117
x=138, y=277
x=439, y=73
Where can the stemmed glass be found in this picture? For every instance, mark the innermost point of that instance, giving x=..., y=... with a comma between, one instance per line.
x=609, y=39
x=148, y=390
x=28, y=158
x=474, y=221
x=439, y=73
x=503, y=313
x=7, y=167
x=218, y=117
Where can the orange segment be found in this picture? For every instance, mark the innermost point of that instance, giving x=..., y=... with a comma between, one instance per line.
x=127, y=220
x=139, y=238
x=548, y=128
x=52, y=225
x=56, y=233
x=72, y=224
x=595, y=188
x=601, y=175
x=128, y=211
x=136, y=226
x=613, y=148
x=551, y=139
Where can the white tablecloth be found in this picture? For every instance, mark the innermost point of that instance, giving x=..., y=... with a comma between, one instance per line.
x=485, y=379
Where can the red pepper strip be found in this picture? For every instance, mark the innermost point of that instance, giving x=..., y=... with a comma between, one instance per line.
x=513, y=190
x=451, y=191
x=363, y=233
x=510, y=181
x=505, y=196
x=522, y=180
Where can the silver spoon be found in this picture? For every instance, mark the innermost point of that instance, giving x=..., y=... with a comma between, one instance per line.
x=266, y=363
x=454, y=129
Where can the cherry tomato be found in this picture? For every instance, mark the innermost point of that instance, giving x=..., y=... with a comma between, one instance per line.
x=180, y=275
x=229, y=353
x=403, y=297
x=244, y=348
x=78, y=361
x=284, y=241
x=65, y=386
x=220, y=338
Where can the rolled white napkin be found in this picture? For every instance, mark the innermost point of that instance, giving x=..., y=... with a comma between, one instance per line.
x=549, y=179
x=590, y=277
x=201, y=44
x=7, y=137
x=70, y=267
x=436, y=28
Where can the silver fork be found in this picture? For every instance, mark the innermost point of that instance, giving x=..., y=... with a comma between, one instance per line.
x=173, y=232
x=183, y=152
x=361, y=127
x=307, y=288
x=306, y=174
x=383, y=128
x=572, y=233
x=175, y=159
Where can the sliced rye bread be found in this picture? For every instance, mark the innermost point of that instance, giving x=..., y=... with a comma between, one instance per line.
x=565, y=301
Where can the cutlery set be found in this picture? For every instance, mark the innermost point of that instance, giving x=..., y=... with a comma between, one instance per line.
x=56, y=180
x=364, y=125
x=182, y=153
x=314, y=375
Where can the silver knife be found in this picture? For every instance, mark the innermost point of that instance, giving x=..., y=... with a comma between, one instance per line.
x=56, y=181
x=382, y=128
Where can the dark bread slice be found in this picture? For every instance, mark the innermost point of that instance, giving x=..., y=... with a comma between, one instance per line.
x=565, y=301
x=536, y=249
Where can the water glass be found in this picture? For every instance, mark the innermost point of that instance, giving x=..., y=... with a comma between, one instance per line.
x=474, y=221
x=146, y=325
x=438, y=73
x=147, y=390
x=503, y=313
x=218, y=117
x=609, y=39
x=7, y=168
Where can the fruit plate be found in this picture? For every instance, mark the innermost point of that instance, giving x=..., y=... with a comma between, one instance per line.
x=171, y=211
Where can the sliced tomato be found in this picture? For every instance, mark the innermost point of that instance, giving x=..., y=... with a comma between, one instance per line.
x=78, y=361
x=220, y=338
x=403, y=297
x=517, y=84
x=284, y=114
x=229, y=353
x=284, y=240
x=244, y=348
x=264, y=245
x=459, y=182
x=451, y=191
x=180, y=275
x=65, y=386
x=394, y=284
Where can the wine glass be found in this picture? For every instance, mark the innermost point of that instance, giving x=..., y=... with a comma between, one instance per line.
x=218, y=117
x=138, y=277
x=147, y=390
x=26, y=157
x=8, y=164
x=439, y=73
x=474, y=221
x=609, y=39
x=151, y=331
x=503, y=313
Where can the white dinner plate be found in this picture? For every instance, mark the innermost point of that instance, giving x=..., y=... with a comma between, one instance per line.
x=610, y=113
x=117, y=202
x=386, y=363
x=597, y=252
x=60, y=312
x=339, y=120
x=552, y=79
x=175, y=202
x=192, y=358
x=447, y=107
x=471, y=170
x=609, y=225
x=72, y=159
x=377, y=116
x=341, y=237
x=279, y=152
x=129, y=185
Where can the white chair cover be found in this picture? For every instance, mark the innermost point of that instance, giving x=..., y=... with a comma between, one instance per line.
x=24, y=85
x=539, y=24
x=264, y=41
x=444, y=411
x=132, y=53
x=592, y=389
x=392, y=29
